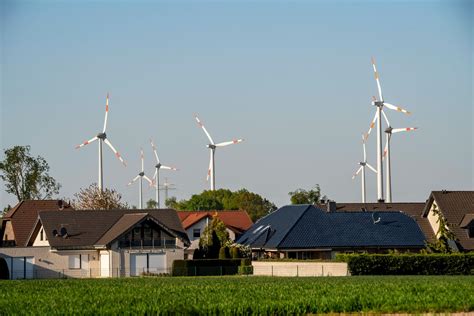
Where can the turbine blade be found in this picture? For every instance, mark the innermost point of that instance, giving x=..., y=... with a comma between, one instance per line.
x=204, y=129
x=385, y=117
x=357, y=172
x=134, y=179
x=377, y=79
x=155, y=174
x=385, y=149
x=169, y=168
x=363, y=146
x=372, y=125
x=235, y=141
x=142, y=159
x=154, y=150
x=87, y=142
x=210, y=167
x=148, y=179
x=396, y=108
x=371, y=168
x=115, y=151
x=106, y=112
x=406, y=129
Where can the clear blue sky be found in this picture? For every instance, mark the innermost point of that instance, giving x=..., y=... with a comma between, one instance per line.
x=291, y=77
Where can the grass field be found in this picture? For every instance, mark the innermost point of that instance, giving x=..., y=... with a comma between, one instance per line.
x=239, y=295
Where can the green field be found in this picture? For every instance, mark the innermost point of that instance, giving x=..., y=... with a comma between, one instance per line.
x=239, y=295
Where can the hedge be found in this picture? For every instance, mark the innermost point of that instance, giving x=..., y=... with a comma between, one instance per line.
x=208, y=267
x=409, y=264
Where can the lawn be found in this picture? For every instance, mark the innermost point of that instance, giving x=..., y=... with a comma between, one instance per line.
x=239, y=295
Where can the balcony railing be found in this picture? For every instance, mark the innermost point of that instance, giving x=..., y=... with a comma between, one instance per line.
x=153, y=243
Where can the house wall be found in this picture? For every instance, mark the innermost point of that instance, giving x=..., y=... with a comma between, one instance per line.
x=433, y=219
x=8, y=234
x=49, y=264
x=38, y=241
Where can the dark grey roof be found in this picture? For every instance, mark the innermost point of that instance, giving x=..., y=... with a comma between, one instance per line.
x=308, y=227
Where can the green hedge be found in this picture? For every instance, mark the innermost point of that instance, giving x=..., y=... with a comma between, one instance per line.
x=409, y=264
x=208, y=267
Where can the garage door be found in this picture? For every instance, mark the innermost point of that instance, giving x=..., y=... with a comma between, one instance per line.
x=138, y=263
x=147, y=262
x=22, y=267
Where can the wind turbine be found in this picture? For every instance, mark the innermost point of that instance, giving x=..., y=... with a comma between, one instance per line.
x=377, y=118
x=140, y=176
x=386, y=153
x=363, y=164
x=102, y=137
x=212, y=149
x=156, y=176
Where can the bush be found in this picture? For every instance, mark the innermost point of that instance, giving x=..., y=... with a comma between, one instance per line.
x=245, y=270
x=224, y=253
x=409, y=264
x=234, y=253
x=207, y=267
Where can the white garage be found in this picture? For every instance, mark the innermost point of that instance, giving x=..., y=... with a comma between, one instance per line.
x=147, y=263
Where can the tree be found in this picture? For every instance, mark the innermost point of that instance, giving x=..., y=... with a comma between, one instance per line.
x=223, y=199
x=171, y=202
x=301, y=196
x=27, y=177
x=92, y=198
x=214, y=236
x=150, y=204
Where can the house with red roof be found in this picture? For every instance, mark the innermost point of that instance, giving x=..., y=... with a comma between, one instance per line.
x=194, y=223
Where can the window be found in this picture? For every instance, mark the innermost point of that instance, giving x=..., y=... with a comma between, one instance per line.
x=74, y=261
x=196, y=233
x=41, y=235
x=471, y=230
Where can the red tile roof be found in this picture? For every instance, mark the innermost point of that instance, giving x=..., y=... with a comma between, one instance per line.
x=24, y=215
x=238, y=221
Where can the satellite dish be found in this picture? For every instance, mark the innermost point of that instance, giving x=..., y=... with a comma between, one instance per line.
x=55, y=233
x=63, y=232
x=375, y=217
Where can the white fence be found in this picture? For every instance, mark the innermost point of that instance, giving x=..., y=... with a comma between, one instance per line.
x=301, y=269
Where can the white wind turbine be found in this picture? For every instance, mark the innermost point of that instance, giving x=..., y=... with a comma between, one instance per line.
x=140, y=176
x=363, y=164
x=212, y=148
x=377, y=118
x=156, y=176
x=386, y=153
x=102, y=137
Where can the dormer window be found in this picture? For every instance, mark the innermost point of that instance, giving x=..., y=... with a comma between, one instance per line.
x=470, y=230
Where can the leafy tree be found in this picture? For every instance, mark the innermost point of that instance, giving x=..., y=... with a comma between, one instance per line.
x=5, y=210
x=223, y=199
x=27, y=177
x=301, y=196
x=92, y=198
x=150, y=204
x=213, y=237
x=171, y=202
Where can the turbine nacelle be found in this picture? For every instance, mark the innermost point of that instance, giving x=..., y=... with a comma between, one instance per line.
x=377, y=103
x=102, y=136
x=389, y=130
x=211, y=146
x=141, y=174
x=158, y=166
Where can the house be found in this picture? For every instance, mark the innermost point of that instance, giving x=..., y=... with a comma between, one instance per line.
x=194, y=222
x=18, y=222
x=87, y=243
x=456, y=209
x=308, y=232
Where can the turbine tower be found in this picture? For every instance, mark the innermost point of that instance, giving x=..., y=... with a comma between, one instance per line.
x=212, y=149
x=102, y=137
x=363, y=164
x=156, y=176
x=380, y=104
x=386, y=153
x=140, y=176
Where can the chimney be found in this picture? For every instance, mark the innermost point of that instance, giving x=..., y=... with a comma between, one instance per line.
x=331, y=206
x=61, y=205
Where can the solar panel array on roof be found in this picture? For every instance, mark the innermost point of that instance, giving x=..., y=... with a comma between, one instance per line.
x=308, y=227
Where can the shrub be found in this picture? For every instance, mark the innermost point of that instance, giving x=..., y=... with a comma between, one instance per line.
x=245, y=270
x=224, y=253
x=409, y=264
x=234, y=253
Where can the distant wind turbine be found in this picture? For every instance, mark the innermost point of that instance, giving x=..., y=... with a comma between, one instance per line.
x=377, y=118
x=363, y=164
x=156, y=176
x=102, y=137
x=140, y=176
x=212, y=149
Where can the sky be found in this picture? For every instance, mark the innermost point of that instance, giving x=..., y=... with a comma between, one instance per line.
x=293, y=78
